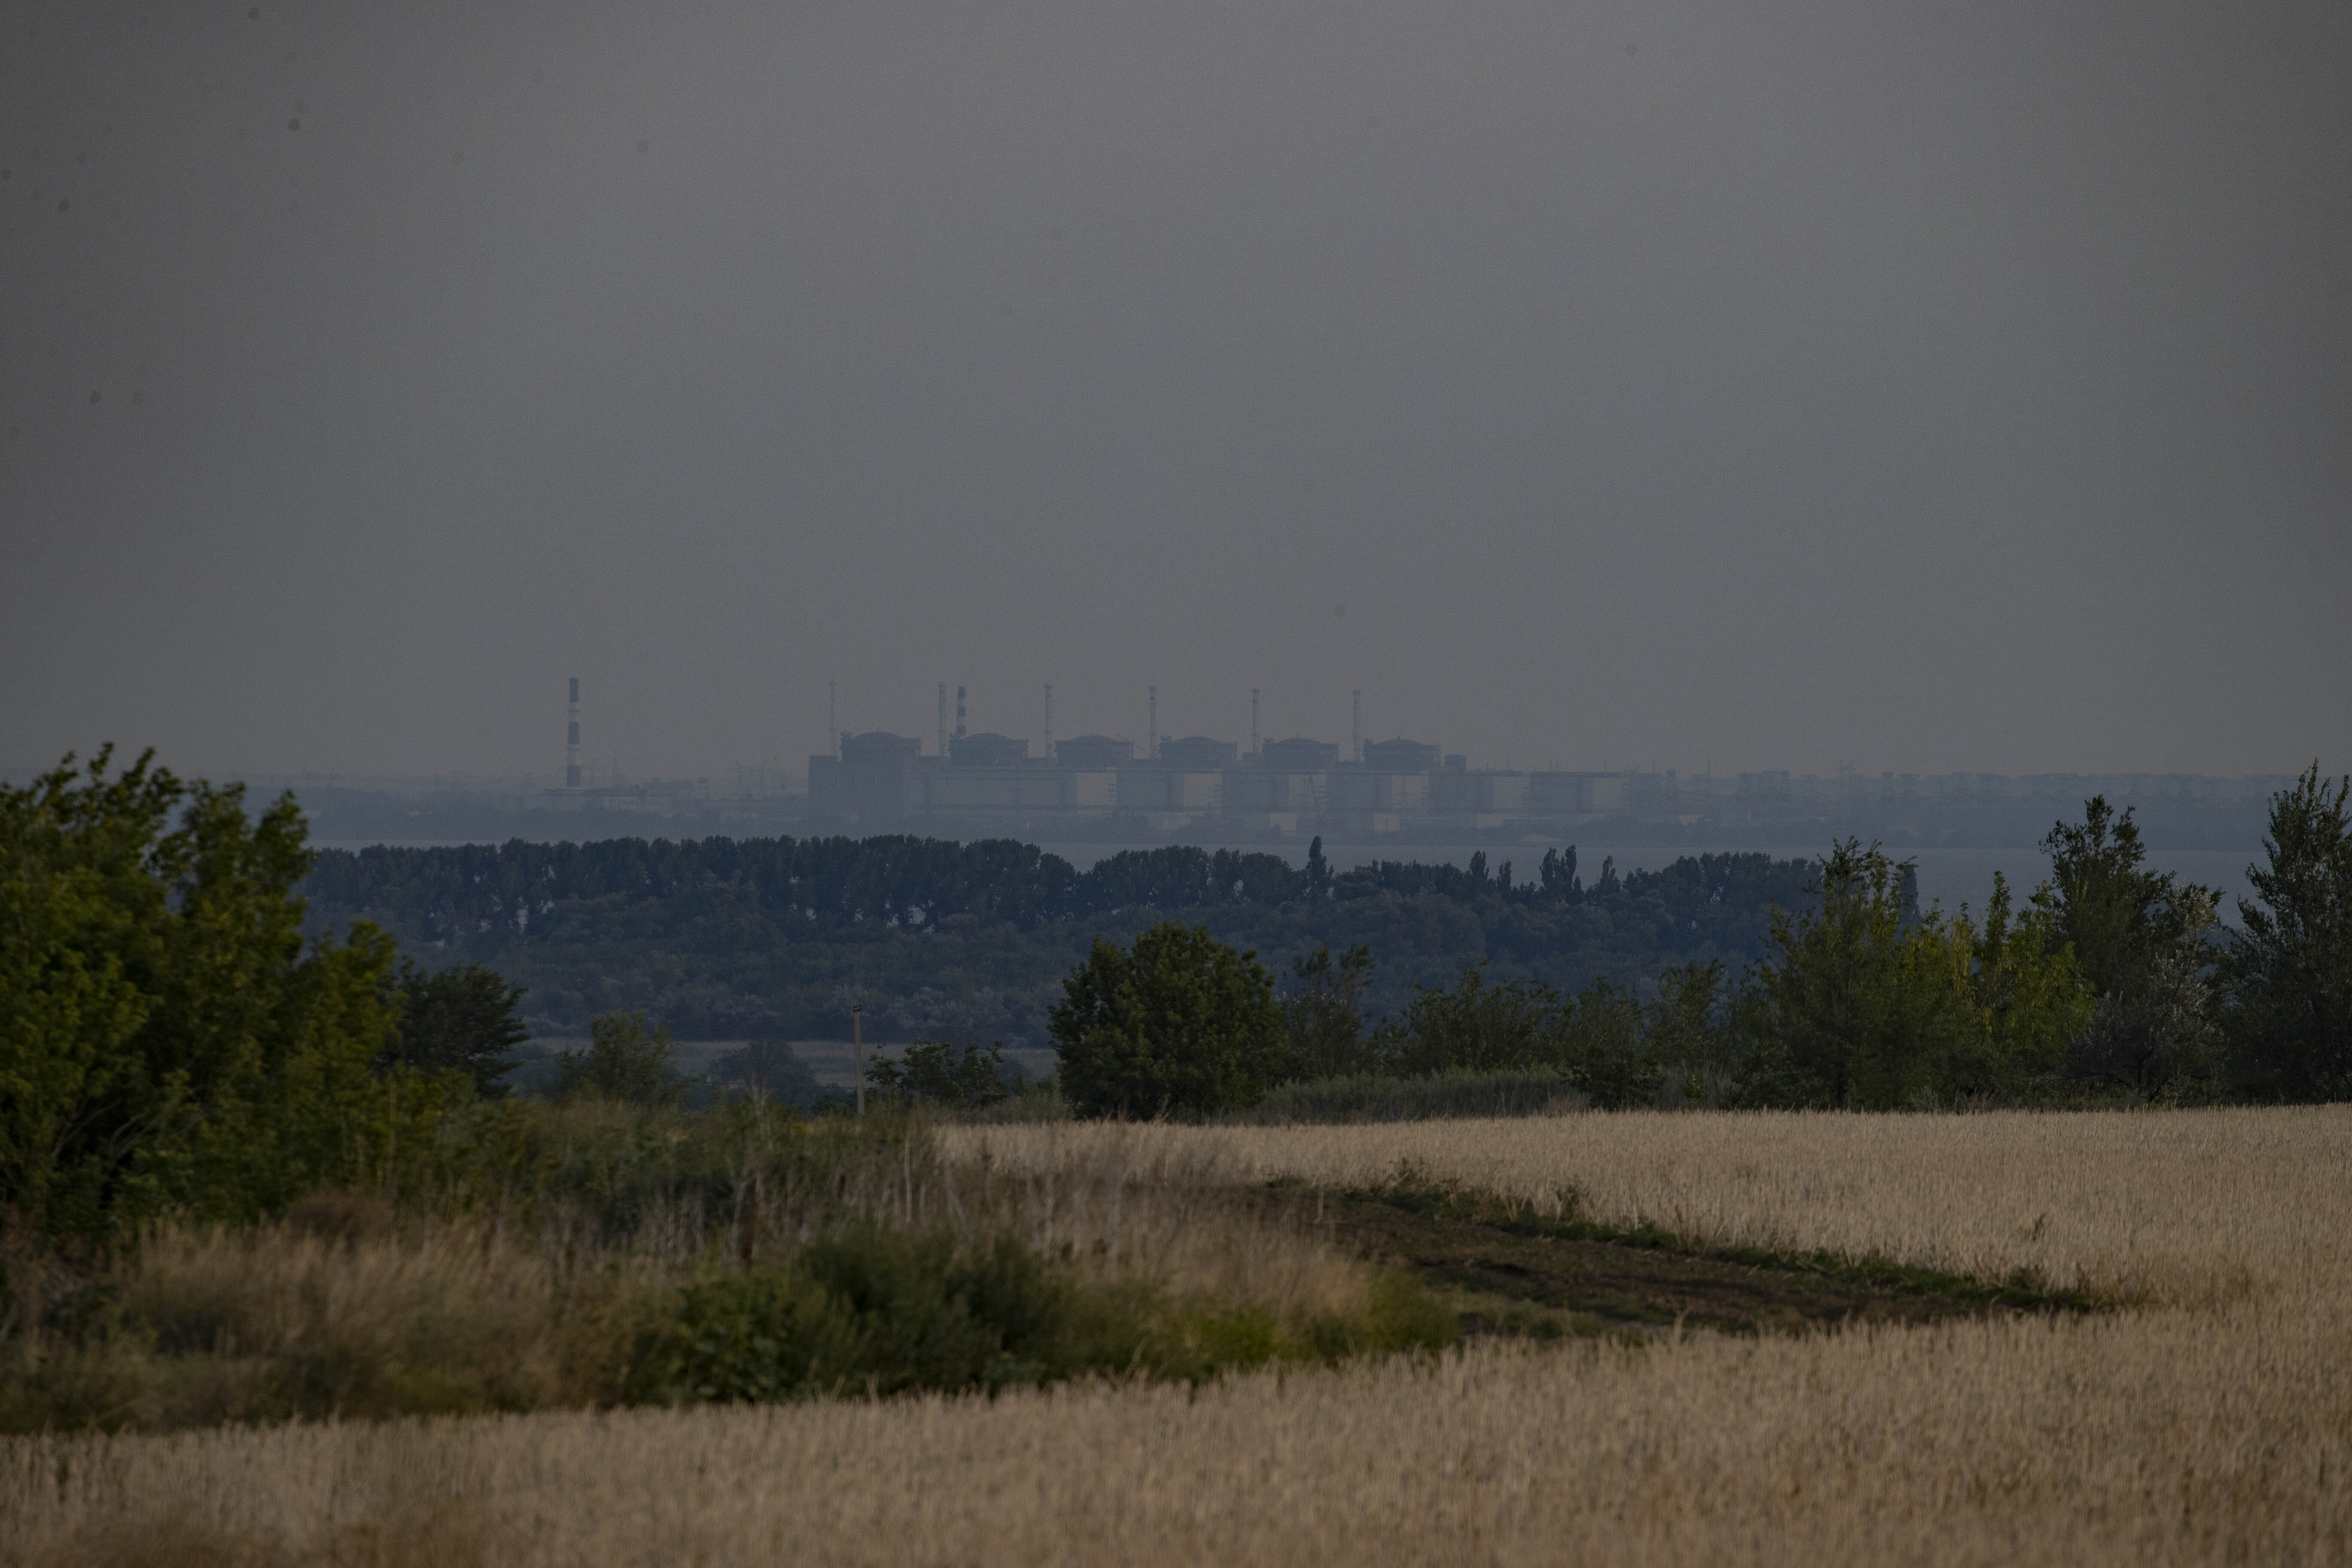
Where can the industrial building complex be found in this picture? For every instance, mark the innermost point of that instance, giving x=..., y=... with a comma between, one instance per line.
x=968, y=784
x=989, y=781
x=985, y=783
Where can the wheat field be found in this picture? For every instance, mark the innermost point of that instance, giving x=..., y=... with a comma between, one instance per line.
x=2211, y=1423
x=2179, y=1206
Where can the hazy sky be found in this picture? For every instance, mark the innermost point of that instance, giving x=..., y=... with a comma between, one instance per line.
x=1965, y=386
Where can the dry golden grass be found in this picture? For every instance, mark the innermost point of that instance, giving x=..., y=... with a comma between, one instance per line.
x=2214, y=1426
x=2179, y=1206
x=1171, y=1221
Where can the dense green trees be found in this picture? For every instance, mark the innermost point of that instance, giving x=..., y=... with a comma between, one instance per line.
x=2288, y=978
x=1180, y=1022
x=1866, y=1004
x=772, y=939
x=170, y=1041
x=2141, y=939
x=166, y=1038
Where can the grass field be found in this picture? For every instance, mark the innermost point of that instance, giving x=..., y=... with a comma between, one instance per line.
x=2207, y=1418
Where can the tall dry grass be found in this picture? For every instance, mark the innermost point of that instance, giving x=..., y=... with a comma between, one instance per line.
x=349, y=1307
x=2214, y=1425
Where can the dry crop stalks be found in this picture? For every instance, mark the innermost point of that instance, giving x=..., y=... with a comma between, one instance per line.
x=2183, y=1206
x=2168, y=1438
x=1177, y=1224
x=2215, y=1427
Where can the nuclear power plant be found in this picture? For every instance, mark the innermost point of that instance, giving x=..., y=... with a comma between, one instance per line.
x=1106, y=788
x=985, y=783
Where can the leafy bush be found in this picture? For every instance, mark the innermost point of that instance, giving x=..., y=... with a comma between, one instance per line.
x=882, y=1311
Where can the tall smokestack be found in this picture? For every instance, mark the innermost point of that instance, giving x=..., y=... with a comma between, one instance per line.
x=571, y=740
x=1356, y=726
x=943, y=719
x=1049, y=721
x=833, y=719
x=959, y=712
x=1256, y=745
x=1152, y=735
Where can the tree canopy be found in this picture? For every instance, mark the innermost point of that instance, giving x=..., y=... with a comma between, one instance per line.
x=2289, y=974
x=167, y=1038
x=1180, y=1022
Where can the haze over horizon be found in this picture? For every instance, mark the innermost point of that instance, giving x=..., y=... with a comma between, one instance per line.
x=1656, y=385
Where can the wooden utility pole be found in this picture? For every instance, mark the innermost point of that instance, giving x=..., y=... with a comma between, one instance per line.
x=857, y=1046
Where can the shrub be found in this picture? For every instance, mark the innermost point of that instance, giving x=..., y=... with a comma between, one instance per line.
x=870, y=1311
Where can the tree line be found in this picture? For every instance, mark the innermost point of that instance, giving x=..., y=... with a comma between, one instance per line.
x=762, y=939
x=170, y=1041
x=2110, y=983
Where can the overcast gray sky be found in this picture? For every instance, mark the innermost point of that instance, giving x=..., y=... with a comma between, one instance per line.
x=1745, y=386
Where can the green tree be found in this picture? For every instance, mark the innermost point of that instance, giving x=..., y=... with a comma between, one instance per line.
x=166, y=1041
x=931, y=1072
x=1601, y=1045
x=2288, y=975
x=2108, y=907
x=1855, y=1013
x=1323, y=1016
x=621, y=1063
x=1180, y=1022
x=460, y=1019
x=2017, y=999
x=2139, y=939
x=1687, y=1030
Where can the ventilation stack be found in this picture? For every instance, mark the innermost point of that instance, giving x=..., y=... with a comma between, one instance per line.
x=571, y=740
x=1256, y=745
x=1151, y=731
x=1356, y=726
x=1049, y=721
x=958, y=734
x=943, y=720
x=833, y=719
